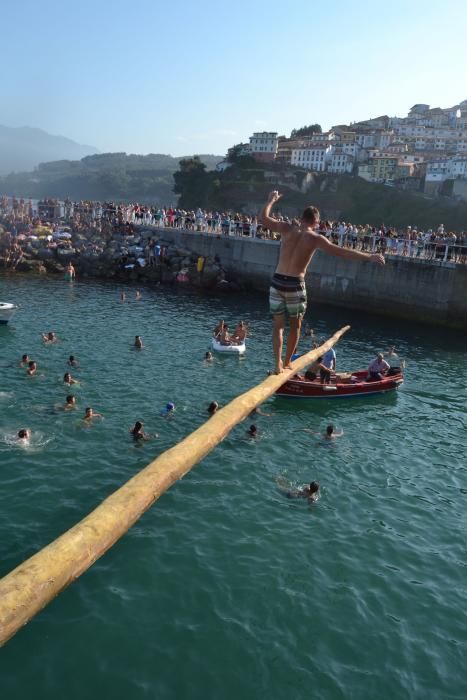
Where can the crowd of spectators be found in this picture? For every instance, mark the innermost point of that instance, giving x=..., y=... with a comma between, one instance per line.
x=21, y=219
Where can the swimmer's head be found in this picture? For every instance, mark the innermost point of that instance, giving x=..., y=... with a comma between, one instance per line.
x=70, y=399
x=252, y=430
x=50, y=335
x=170, y=407
x=66, y=377
x=208, y=355
x=137, y=427
x=25, y=358
x=213, y=406
x=329, y=429
x=314, y=487
x=23, y=434
x=71, y=358
x=89, y=411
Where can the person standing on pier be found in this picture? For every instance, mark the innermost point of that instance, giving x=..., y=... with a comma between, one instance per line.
x=287, y=294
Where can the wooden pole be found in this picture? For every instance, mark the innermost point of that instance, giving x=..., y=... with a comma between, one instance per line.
x=34, y=583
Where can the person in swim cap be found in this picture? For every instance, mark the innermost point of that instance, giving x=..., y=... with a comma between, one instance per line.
x=168, y=409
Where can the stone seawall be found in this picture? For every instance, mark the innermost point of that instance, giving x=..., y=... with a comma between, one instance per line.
x=420, y=290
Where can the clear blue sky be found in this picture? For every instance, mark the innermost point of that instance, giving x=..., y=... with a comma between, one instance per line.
x=186, y=77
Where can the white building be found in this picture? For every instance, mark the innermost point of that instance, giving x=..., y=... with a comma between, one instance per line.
x=314, y=157
x=340, y=162
x=263, y=145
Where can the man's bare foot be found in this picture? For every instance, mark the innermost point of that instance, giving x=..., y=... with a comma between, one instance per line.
x=279, y=368
x=288, y=366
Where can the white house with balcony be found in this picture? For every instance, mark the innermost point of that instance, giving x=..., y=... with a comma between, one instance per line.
x=340, y=162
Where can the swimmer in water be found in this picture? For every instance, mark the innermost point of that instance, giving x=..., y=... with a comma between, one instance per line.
x=68, y=379
x=90, y=414
x=209, y=356
x=252, y=431
x=258, y=412
x=309, y=492
x=138, y=342
x=24, y=434
x=32, y=368
x=49, y=337
x=138, y=295
x=72, y=361
x=123, y=296
x=329, y=434
x=137, y=432
x=213, y=408
x=70, y=403
x=24, y=360
x=168, y=410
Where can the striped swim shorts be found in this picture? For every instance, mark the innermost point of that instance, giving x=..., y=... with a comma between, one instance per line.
x=287, y=294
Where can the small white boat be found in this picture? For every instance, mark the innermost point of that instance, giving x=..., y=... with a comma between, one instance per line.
x=7, y=311
x=232, y=349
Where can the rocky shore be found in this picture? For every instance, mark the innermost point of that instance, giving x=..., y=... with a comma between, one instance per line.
x=143, y=256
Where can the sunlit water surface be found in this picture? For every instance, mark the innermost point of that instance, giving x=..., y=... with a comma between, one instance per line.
x=226, y=588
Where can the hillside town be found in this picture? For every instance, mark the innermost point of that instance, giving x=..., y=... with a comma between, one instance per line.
x=424, y=151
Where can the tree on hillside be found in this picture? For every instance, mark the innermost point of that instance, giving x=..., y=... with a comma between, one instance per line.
x=306, y=131
x=191, y=182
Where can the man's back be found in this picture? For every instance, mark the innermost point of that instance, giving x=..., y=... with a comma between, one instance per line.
x=297, y=248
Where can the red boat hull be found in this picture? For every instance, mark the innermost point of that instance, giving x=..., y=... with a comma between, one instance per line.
x=300, y=388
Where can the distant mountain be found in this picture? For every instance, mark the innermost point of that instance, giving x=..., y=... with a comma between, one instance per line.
x=23, y=148
x=103, y=176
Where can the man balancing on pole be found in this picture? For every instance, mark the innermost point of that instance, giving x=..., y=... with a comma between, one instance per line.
x=299, y=242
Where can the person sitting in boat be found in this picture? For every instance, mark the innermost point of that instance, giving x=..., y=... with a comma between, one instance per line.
x=316, y=368
x=309, y=492
x=240, y=333
x=396, y=364
x=329, y=366
x=218, y=329
x=49, y=337
x=224, y=337
x=378, y=368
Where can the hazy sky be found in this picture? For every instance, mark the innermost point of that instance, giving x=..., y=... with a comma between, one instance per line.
x=186, y=77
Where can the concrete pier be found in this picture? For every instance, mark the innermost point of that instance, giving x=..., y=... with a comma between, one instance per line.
x=421, y=290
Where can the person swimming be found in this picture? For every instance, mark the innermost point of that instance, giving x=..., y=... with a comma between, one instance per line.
x=24, y=434
x=309, y=492
x=138, y=342
x=123, y=296
x=252, y=431
x=90, y=414
x=209, y=356
x=213, y=408
x=32, y=368
x=68, y=379
x=24, y=360
x=330, y=433
x=138, y=295
x=70, y=403
x=49, y=337
x=168, y=409
x=72, y=361
x=137, y=432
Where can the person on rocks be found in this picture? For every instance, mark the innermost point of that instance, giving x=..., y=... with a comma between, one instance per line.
x=299, y=242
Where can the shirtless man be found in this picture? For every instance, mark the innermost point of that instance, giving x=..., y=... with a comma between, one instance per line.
x=299, y=242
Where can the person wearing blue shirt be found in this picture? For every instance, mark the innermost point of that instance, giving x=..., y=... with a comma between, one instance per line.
x=329, y=362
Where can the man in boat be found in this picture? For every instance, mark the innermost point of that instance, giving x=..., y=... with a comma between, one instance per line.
x=378, y=368
x=299, y=242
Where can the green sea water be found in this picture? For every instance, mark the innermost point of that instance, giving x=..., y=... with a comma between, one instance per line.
x=226, y=588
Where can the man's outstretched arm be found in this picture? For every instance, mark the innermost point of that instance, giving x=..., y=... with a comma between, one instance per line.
x=323, y=244
x=267, y=220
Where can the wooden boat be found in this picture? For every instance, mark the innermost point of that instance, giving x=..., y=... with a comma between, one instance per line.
x=341, y=386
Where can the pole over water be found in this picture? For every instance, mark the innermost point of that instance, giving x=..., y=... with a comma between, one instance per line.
x=34, y=583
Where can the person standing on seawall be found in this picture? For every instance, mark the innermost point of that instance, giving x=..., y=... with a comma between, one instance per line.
x=287, y=294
